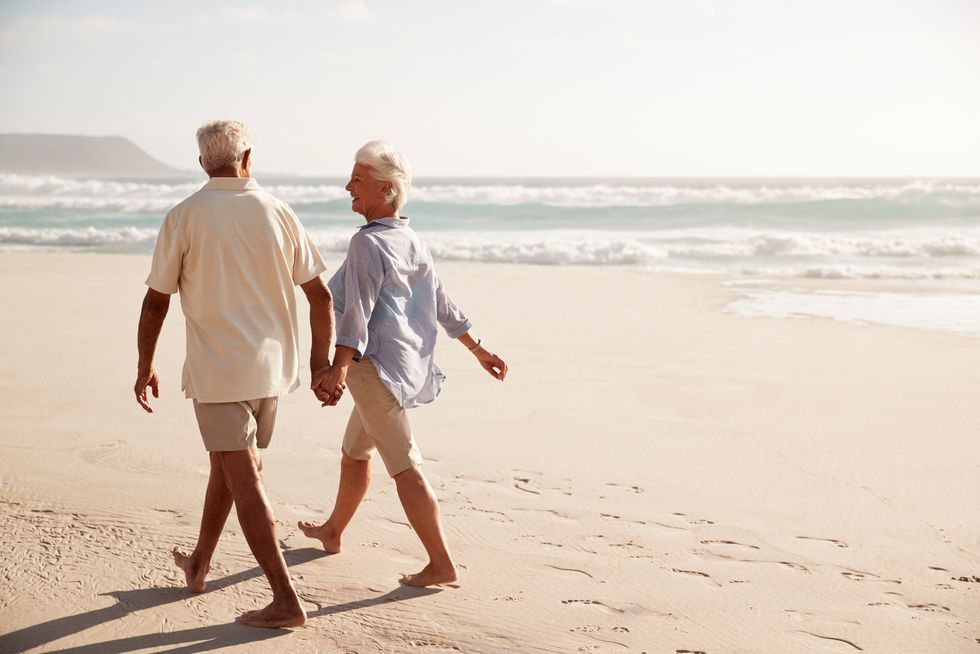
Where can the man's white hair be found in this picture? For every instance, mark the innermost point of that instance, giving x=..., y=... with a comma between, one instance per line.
x=223, y=143
x=388, y=165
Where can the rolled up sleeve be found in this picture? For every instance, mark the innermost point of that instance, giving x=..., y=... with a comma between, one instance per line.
x=168, y=257
x=448, y=314
x=364, y=274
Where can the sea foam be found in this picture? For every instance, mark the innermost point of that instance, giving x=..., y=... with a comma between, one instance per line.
x=39, y=192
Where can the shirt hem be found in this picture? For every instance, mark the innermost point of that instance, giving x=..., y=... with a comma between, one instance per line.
x=240, y=396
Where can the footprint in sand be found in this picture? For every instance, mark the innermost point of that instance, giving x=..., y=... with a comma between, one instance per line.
x=627, y=487
x=589, y=628
x=695, y=573
x=727, y=542
x=860, y=575
x=573, y=571
x=521, y=483
x=838, y=543
x=691, y=572
x=834, y=639
x=695, y=521
x=927, y=607
x=930, y=608
x=795, y=566
x=591, y=602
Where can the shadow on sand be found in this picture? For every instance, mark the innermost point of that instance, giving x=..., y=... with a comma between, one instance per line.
x=199, y=639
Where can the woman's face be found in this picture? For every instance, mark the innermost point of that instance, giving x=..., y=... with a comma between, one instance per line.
x=367, y=193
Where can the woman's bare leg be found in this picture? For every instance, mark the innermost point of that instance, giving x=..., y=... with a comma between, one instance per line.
x=355, y=477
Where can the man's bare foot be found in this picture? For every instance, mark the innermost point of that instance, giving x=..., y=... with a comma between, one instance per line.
x=431, y=576
x=275, y=617
x=324, y=533
x=194, y=572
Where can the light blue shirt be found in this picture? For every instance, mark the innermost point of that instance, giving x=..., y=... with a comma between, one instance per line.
x=388, y=301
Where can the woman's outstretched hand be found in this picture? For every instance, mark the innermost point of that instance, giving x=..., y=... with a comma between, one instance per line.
x=491, y=363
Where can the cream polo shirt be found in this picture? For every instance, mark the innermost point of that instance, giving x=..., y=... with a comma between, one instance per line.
x=235, y=254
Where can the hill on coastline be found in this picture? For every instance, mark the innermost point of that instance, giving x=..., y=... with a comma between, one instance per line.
x=94, y=156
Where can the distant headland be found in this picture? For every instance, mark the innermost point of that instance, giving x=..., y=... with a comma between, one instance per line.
x=89, y=156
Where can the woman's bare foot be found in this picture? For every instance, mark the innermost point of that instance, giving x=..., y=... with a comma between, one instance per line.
x=194, y=571
x=275, y=616
x=324, y=533
x=431, y=575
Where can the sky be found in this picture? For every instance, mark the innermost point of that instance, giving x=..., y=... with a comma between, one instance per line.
x=514, y=87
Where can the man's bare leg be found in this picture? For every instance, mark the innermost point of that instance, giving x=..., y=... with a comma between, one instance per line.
x=244, y=478
x=217, y=506
x=355, y=477
x=422, y=509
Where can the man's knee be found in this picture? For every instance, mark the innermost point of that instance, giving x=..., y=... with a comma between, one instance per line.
x=240, y=467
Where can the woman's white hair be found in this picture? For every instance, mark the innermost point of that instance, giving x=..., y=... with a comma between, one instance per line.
x=388, y=165
x=223, y=143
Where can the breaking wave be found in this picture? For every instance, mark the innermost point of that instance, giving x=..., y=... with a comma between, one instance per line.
x=48, y=192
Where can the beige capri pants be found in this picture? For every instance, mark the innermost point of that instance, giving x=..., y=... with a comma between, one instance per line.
x=378, y=422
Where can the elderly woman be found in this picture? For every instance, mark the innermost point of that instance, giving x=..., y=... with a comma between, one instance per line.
x=388, y=301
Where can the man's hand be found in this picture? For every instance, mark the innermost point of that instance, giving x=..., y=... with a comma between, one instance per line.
x=491, y=363
x=328, y=384
x=144, y=380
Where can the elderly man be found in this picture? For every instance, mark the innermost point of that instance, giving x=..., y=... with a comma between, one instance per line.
x=235, y=253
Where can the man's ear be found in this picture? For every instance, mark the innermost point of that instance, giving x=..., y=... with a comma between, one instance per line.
x=201, y=162
x=247, y=159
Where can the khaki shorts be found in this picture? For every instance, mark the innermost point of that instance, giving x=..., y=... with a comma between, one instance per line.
x=231, y=426
x=378, y=422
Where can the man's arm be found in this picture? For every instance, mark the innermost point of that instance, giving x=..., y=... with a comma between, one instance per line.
x=321, y=322
x=155, y=307
x=321, y=327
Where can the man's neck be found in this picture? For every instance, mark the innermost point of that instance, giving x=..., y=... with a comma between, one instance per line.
x=229, y=171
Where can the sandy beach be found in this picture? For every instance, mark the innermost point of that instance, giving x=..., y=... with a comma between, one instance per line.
x=655, y=475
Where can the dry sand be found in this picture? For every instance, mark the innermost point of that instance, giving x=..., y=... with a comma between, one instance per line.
x=654, y=476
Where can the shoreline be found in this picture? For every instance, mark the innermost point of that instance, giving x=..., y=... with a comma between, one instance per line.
x=759, y=296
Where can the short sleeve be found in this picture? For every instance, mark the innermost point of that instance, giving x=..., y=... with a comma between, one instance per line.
x=168, y=255
x=307, y=262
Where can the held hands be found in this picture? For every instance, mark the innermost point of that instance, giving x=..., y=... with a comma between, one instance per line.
x=328, y=384
x=146, y=379
x=491, y=363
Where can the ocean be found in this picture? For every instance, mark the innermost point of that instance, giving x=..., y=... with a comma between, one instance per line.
x=919, y=232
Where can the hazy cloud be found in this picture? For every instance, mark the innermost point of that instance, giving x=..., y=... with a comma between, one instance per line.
x=42, y=30
x=257, y=15
x=355, y=10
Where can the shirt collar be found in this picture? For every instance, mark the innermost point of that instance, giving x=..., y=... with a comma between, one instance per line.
x=231, y=184
x=388, y=222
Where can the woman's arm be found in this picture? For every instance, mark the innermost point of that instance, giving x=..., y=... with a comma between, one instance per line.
x=490, y=361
